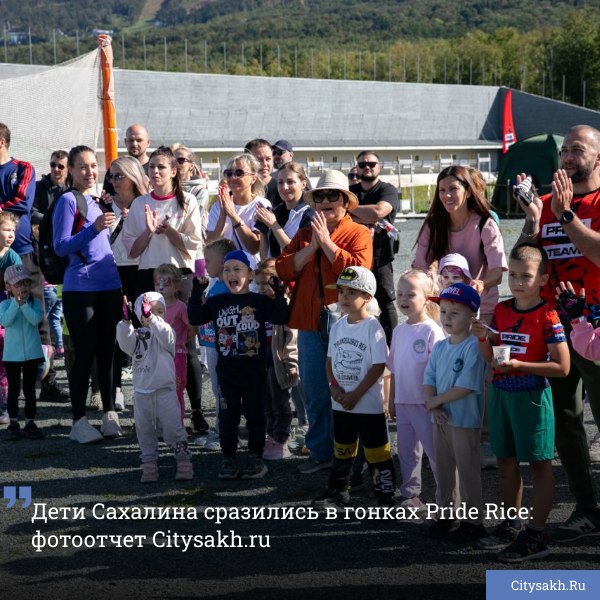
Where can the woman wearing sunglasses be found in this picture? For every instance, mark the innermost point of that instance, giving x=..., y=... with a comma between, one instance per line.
x=278, y=227
x=234, y=215
x=321, y=252
x=164, y=225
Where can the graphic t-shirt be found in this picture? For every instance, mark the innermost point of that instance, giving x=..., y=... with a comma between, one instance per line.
x=206, y=333
x=566, y=261
x=528, y=333
x=353, y=349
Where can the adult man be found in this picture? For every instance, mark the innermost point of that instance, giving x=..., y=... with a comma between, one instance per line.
x=50, y=187
x=263, y=153
x=17, y=191
x=567, y=223
x=378, y=200
x=283, y=153
x=137, y=142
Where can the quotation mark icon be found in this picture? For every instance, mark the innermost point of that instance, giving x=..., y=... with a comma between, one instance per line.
x=10, y=494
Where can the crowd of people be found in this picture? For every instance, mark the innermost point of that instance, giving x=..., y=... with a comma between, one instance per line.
x=286, y=295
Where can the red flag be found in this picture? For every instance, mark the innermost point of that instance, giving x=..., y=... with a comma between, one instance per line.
x=508, y=127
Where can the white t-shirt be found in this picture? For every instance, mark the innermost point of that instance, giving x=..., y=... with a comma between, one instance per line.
x=247, y=213
x=354, y=348
x=409, y=352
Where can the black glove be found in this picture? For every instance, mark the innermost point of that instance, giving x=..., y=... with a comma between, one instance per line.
x=200, y=284
x=276, y=286
x=571, y=304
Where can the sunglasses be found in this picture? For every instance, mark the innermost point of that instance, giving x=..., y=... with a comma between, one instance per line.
x=116, y=177
x=235, y=173
x=329, y=195
x=58, y=166
x=278, y=152
x=22, y=283
x=182, y=160
x=363, y=164
x=353, y=176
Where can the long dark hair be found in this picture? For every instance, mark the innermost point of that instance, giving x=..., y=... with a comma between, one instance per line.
x=73, y=154
x=177, y=186
x=438, y=218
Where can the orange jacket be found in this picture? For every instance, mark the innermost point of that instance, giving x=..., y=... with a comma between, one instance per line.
x=354, y=248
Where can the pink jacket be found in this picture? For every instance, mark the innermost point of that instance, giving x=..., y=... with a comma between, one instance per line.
x=586, y=340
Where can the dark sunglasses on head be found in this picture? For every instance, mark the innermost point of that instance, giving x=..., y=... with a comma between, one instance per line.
x=235, y=173
x=363, y=164
x=329, y=195
x=353, y=176
x=182, y=160
x=58, y=166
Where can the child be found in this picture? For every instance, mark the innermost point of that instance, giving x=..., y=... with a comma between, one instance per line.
x=239, y=318
x=8, y=257
x=21, y=315
x=282, y=373
x=454, y=268
x=453, y=386
x=412, y=343
x=214, y=254
x=167, y=279
x=152, y=348
x=521, y=419
x=356, y=358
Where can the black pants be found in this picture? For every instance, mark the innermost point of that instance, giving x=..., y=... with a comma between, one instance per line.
x=385, y=296
x=373, y=433
x=278, y=409
x=237, y=398
x=194, y=376
x=13, y=375
x=92, y=319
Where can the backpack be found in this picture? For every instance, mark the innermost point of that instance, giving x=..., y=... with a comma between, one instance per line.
x=53, y=267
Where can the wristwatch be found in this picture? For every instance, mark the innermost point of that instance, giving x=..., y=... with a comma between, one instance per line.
x=566, y=217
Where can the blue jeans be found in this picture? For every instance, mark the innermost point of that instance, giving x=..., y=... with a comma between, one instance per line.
x=54, y=312
x=312, y=354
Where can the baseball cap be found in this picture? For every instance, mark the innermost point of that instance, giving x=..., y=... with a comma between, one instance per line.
x=283, y=145
x=238, y=255
x=456, y=260
x=356, y=278
x=461, y=293
x=16, y=273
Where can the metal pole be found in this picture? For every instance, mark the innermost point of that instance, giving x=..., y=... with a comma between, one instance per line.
x=583, y=103
x=31, y=49
x=374, y=66
x=165, y=40
x=54, y=43
x=389, y=66
x=296, y=61
x=404, y=67
x=224, y=57
x=76, y=39
x=360, y=65
x=145, y=62
x=243, y=57
x=563, y=88
x=418, y=68
x=123, y=50
x=185, y=54
x=205, y=56
x=261, y=58
x=312, y=63
x=5, y=46
x=278, y=61
x=471, y=72
x=445, y=69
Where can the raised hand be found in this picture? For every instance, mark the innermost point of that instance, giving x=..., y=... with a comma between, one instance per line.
x=570, y=303
x=151, y=219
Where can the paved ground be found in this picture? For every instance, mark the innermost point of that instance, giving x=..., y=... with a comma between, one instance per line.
x=315, y=559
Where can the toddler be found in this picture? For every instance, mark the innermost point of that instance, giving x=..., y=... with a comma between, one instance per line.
x=152, y=348
x=20, y=316
x=453, y=268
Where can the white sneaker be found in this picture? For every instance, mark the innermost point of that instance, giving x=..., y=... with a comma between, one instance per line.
x=119, y=400
x=595, y=448
x=110, y=427
x=95, y=402
x=84, y=433
x=212, y=441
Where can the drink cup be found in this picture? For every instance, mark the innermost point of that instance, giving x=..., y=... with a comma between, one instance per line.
x=501, y=354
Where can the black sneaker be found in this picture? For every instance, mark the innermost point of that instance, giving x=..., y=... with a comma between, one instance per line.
x=529, y=544
x=501, y=536
x=32, y=432
x=13, y=433
x=356, y=480
x=229, y=469
x=50, y=392
x=199, y=424
x=331, y=497
x=255, y=468
x=467, y=533
x=440, y=529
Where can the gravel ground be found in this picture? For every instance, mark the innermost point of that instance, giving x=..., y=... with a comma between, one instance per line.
x=299, y=558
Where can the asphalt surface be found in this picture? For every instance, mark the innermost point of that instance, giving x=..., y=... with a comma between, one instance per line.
x=292, y=558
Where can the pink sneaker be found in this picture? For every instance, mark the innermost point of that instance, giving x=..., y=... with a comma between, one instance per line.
x=276, y=450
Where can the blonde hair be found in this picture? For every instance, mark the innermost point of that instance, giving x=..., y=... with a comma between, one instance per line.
x=168, y=270
x=131, y=168
x=248, y=160
x=429, y=287
x=8, y=216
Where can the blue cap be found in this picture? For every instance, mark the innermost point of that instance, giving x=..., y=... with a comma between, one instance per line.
x=238, y=255
x=459, y=292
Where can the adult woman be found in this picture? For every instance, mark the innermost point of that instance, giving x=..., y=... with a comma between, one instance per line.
x=91, y=293
x=129, y=181
x=278, y=227
x=459, y=221
x=321, y=252
x=190, y=176
x=164, y=225
x=234, y=215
